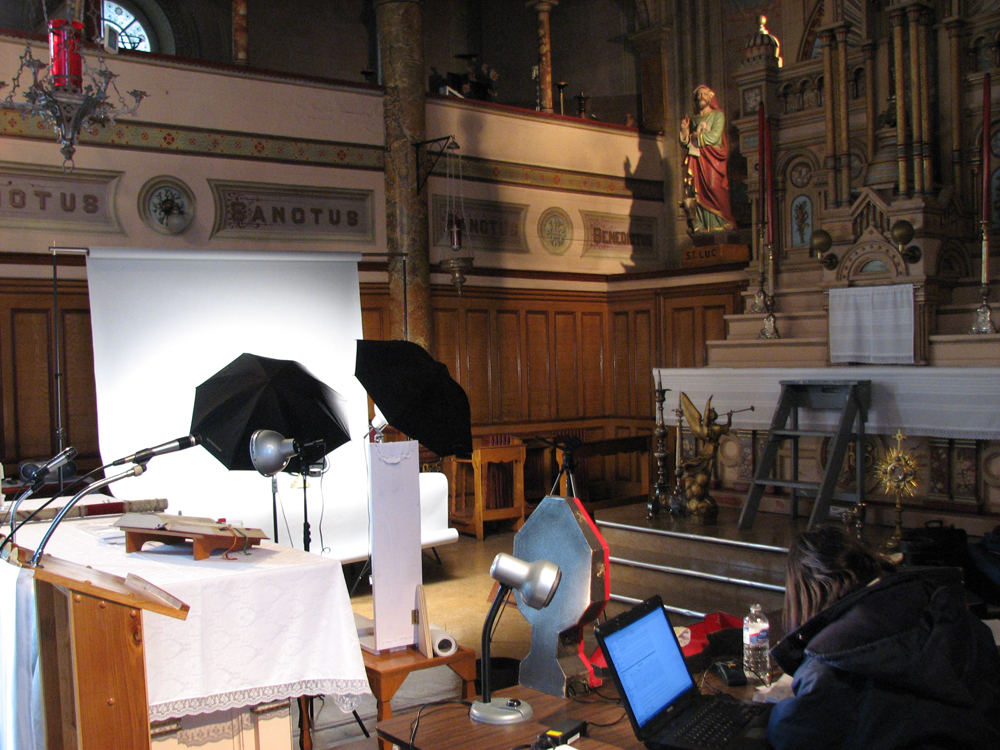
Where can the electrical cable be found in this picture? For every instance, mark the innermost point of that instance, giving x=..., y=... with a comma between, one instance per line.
x=415, y=724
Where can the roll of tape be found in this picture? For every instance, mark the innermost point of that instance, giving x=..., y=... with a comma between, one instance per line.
x=443, y=644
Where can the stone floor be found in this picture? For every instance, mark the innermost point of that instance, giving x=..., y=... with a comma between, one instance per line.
x=457, y=591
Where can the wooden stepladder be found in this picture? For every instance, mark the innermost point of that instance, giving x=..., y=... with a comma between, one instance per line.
x=852, y=398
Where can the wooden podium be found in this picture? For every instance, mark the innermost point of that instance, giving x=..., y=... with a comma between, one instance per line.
x=90, y=640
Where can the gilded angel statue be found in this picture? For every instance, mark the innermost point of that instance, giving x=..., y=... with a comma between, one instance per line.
x=698, y=469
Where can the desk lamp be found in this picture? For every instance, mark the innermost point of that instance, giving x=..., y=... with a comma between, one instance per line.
x=536, y=582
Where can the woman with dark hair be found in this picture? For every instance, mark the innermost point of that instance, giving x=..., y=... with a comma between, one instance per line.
x=882, y=659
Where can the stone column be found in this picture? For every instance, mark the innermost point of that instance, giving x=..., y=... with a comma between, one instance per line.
x=955, y=28
x=913, y=16
x=829, y=107
x=653, y=49
x=240, y=34
x=844, y=118
x=902, y=146
x=869, y=49
x=925, y=102
x=400, y=24
x=543, y=8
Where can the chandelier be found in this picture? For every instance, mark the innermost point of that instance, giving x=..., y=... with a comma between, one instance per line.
x=72, y=95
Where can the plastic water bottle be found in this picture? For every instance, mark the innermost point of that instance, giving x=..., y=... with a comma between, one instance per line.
x=756, y=646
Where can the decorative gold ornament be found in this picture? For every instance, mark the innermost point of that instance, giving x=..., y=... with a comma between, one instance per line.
x=897, y=473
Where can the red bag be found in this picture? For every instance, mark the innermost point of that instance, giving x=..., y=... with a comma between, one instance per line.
x=697, y=638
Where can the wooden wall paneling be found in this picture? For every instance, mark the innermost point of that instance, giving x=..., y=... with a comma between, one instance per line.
x=79, y=389
x=593, y=376
x=375, y=312
x=34, y=417
x=509, y=382
x=539, y=357
x=621, y=363
x=634, y=353
x=680, y=331
x=690, y=318
x=477, y=337
x=713, y=324
x=567, y=365
x=642, y=364
x=447, y=341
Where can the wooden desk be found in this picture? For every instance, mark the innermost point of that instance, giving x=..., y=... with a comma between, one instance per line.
x=388, y=670
x=450, y=728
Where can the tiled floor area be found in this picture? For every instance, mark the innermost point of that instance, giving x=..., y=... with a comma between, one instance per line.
x=457, y=593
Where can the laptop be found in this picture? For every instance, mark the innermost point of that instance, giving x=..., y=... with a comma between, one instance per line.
x=666, y=709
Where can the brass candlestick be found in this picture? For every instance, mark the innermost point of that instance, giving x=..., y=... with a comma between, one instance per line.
x=660, y=497
x=769, y=330
x=983, y=322
x=678, y=498
x=898, y=475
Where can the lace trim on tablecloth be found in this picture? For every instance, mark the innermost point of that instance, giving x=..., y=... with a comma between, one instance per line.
x=346, y=695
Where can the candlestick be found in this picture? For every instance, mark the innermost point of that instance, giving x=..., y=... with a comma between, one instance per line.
x=761, y=174
x=987, y=126
x=986, y=257
x=769, y=176
x=770, y=274
x=659, y=498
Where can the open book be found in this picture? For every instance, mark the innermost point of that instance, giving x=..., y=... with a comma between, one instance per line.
x=193, y=525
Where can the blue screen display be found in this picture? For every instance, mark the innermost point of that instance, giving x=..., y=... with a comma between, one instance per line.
x=649, y=664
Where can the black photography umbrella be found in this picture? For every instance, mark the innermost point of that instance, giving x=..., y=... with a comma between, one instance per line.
x=254, y=393
x=416, y=395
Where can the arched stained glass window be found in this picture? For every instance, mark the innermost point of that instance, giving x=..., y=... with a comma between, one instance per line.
x=134, y=32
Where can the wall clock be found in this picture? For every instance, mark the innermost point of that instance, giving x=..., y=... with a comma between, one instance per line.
x=166, y=205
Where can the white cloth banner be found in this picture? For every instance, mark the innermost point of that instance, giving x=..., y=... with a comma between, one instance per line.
x=21, y=716
x=872, y=325
x=952, y=402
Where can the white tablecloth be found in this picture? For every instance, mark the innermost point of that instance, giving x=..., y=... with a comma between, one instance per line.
x=268, y=626
x=953, y=402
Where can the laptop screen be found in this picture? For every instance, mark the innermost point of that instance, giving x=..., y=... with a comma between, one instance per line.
x=649, y=664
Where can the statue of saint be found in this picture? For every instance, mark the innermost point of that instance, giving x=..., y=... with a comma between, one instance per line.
x=698, y=469
x=706, y=181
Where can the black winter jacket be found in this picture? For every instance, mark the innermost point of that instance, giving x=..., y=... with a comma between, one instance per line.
x=899, y=664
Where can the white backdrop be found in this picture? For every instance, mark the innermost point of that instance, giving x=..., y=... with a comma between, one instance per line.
x=165, y=321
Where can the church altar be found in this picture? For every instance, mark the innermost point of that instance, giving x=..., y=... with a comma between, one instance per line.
x=949, y=402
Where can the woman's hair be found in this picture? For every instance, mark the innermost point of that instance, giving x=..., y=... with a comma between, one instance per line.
x=824, y=566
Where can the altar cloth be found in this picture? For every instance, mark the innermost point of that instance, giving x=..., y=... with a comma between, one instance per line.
x=872, y=325
x=269, y=626
x=951, y=402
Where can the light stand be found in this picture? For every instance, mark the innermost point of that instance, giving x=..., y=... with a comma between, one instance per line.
x=568, y=464
x=270, y=453
x=536, y=582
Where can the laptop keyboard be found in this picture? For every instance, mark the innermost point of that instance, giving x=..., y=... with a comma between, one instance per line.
x=713, y=725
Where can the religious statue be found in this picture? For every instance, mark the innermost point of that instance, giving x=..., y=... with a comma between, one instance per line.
x=698, y=469
x=706, y=181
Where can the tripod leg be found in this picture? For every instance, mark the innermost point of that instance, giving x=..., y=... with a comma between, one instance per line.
x=555, y=484
x=571, y=484
x=361, y=724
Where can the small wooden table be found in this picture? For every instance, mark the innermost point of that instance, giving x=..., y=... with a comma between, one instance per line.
x=387, y=671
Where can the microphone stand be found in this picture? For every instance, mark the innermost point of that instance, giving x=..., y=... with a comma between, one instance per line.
x=99, y=484
x=13, y=509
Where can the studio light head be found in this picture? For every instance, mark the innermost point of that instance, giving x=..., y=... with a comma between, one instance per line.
x=270, y=451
